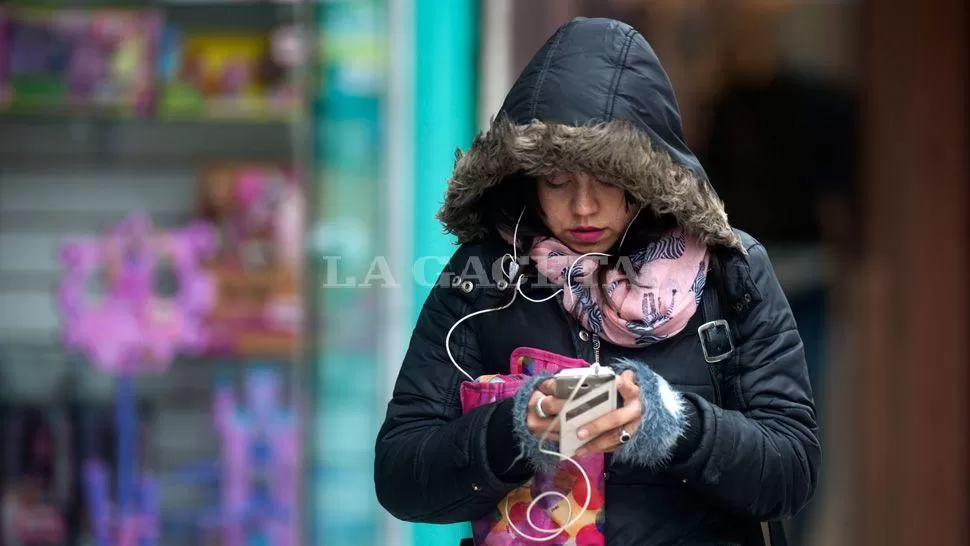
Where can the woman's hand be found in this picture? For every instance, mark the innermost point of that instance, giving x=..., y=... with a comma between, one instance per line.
x=551, y=406
x=606, y=430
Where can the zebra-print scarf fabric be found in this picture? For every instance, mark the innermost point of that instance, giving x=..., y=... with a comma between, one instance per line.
x=656, y=304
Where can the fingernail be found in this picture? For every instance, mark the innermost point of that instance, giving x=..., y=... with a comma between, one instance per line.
x=582, y=434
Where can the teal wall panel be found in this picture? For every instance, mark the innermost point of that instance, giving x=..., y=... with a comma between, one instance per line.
x=349, y=129
x=445, y=102
x=445, y=115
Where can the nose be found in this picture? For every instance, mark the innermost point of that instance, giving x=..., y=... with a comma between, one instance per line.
x=584, y=201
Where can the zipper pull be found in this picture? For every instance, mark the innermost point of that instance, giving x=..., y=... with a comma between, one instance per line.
x=596, y=350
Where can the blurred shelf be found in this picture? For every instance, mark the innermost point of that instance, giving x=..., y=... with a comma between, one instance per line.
x=94, y=117
x=222, y=15
x=192, y=13
x=29, y=143
x=49, y=347
x=28, y=281
x=11, y=162
x=61, y=222
x=37, y=368
x=132, y=165
x=156, y=3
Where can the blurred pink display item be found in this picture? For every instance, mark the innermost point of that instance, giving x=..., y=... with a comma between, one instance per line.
x=271, y=201
x=258, y=468
x=131, y=327
x=260, y=463
x=259, y=210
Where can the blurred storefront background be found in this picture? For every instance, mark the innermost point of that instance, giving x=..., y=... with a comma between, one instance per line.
x=312, y=140
x=195, y=116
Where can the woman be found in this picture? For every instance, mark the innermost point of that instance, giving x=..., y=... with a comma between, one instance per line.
x=711, y=439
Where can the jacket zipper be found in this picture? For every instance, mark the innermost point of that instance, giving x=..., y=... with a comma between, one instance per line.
x=594, y=338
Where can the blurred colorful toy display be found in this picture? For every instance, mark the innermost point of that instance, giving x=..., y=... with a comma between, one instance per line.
x=132, y=328
x=226, y=75
x=129, y=61
x=258, y=210
x=72, y=59
x=259, y=465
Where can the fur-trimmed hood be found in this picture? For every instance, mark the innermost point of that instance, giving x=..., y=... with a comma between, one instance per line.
x=594, y=98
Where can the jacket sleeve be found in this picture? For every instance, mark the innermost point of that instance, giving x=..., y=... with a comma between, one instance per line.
x=761, y=461
x=431, y=461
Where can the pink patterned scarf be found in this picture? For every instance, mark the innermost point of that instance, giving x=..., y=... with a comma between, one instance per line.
x=670, y=275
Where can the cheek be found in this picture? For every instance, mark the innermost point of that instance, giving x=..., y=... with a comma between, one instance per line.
x=554, y=206
x=615, y=200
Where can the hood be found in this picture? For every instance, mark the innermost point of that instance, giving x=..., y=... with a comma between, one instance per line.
x=594, y=98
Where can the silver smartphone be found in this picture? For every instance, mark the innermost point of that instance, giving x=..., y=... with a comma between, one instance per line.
x=596, y=396
x=565, y=385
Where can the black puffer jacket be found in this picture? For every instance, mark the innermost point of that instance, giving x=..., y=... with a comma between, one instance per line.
x=732, y=468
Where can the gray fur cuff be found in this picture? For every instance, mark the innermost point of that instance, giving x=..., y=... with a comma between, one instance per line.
x=528, y=442
x=662, y=423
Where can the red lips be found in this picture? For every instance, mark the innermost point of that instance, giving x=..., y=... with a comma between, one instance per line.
x=587, y=234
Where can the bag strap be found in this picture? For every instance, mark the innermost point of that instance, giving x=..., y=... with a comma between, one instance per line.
x=718, y=341
x=712, y=307
x=716, y=335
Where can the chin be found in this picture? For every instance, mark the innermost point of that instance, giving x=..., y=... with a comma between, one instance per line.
x=583, y=248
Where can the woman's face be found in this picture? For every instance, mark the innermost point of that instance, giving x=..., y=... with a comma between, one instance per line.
x=587, y=215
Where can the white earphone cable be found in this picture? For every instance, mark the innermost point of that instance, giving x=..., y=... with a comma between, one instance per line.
x=550, y=533
x=511, y=275
x=627, y=230
x=570, y=519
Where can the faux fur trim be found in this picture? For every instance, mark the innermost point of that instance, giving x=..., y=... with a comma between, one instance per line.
x=615, y=151
x=528, y=442
x=662, y=423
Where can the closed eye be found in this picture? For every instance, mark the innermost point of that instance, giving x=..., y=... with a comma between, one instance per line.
x=556, y=181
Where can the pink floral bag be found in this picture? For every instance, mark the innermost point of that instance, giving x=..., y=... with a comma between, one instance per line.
x=552, y=512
